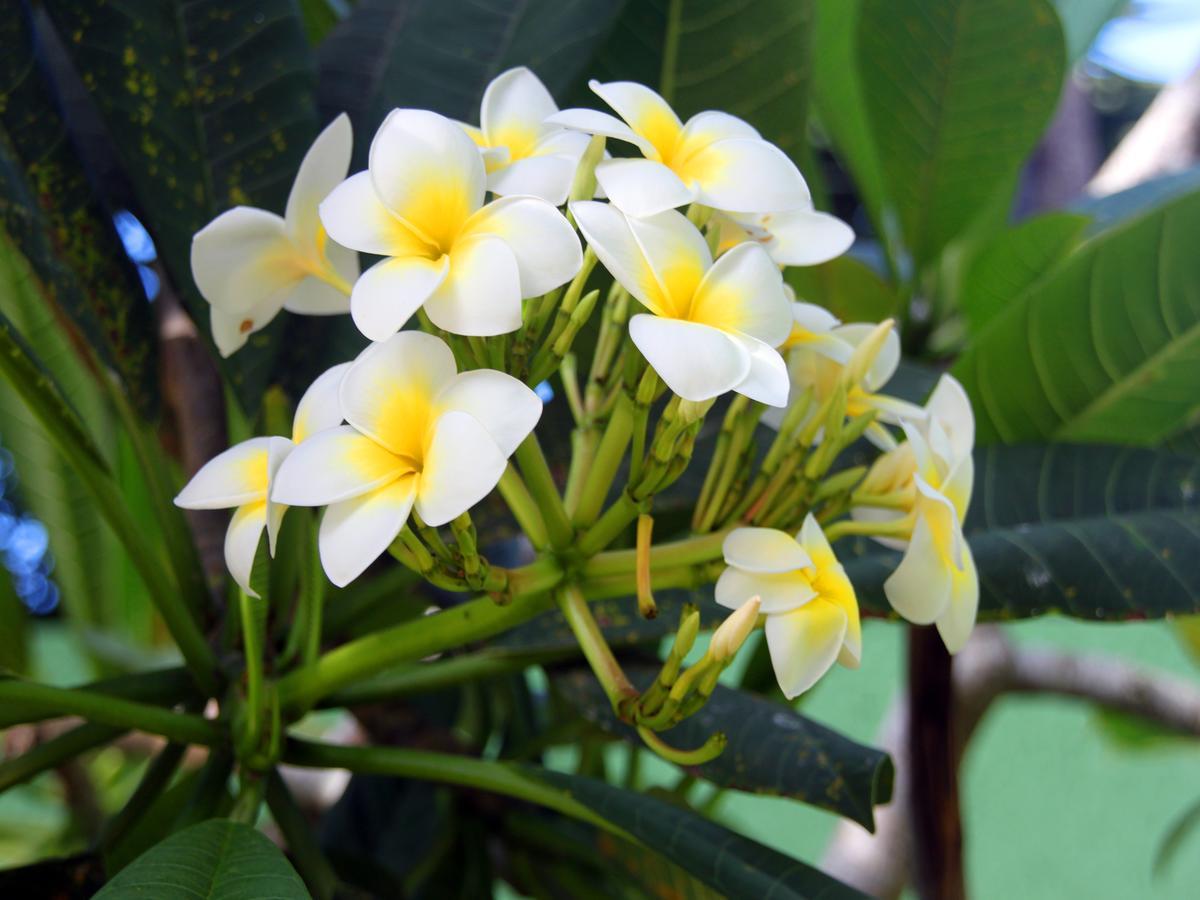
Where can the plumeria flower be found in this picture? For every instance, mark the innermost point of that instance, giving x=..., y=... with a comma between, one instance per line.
x=420, y=204
x=242, y=477
x=797, y=237
x=711, y=327
x=249, y=263
x=814, y=329
x=521, y=153
x=419, y=434
x=715, y=159
x=932, y=474
x=811, y=610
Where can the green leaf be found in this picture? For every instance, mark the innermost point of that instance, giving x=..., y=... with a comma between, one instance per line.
x=209, y=104
x=1082, y=21
x=771, y=750
x=847, y=287
x=14, y=656
x=1095, y=532
x=1011, y=261
x=49, y=209
x=217, y=858
x=749, y=59
x=724, y=860
x=1105, y=348
x=957, y=93
x=1129, y=732
x=320, y=16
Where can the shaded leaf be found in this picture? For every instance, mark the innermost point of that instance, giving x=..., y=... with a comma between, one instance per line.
x=771, y=750
x=847, y=287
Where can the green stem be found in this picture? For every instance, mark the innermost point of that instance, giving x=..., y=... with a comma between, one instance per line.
x=252, y=650
x=537, y=473
x=608, y=459
x=162, y=686
x=706, y=752
x=306, y=853
x=54, y=752
x=898, y=528
x=702, y=548
x=666, y=78
x=524, y=508
x=615, y=520
x=573, y=605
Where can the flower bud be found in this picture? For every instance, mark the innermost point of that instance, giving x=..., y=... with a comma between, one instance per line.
x=584, y=185
x=863, y=357
x=732, y=633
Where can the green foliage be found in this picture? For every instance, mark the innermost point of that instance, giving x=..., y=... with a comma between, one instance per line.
x=847, y=287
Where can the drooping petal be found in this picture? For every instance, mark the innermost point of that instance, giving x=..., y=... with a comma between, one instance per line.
x=766, y=550
x=611, y=239
x=390, y=292
x=231, y=331
x=481, y=294
x=234, y=477
x=320, y=407
x=277, y=451
x=803, y=644
x=314, y=297
x=642, y=187
x=241, y=542
x=242, y=258
x=777, y=592
x=514, y=106
x=428, y=172
x=355, y=532
x=950, y=406
x=956, y=623
x=506, y=408
x=541, y=239
x=743, y=292
x=545, y=177
x=767, y=381
x=462, y=465
x=805, y=237
x=648, y=114
x=332, y=465
x=956, y=486
x=323, y=168
x=591, y=121
x=696, y=362
x=388, y=392
x=919, y=589
x=355, y=217
x=744, y=175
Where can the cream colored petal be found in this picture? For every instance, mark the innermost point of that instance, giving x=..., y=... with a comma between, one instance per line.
x=677, y=255
x=950, y=406
x=956, y=623
x=919, y=589
x=742, y=175
x=778, y=592
x=545, y=177
x=767, y=380
x=462, y=465
x=241, y=542
x=355, y=217
x=648, y=114
x=804, y=644
x=696, y=362
x=590, y=121
x=704, y=128
x=506, y=408
x=812, y=539
x=277, y=451
x=886, y=361
x=332, y=465
x=323, y=168
x=314, y=297
x=611, y=239
x=542, y=241
x=234, y=477
x=481, y=294
x=743, y=292
x=320, y=407
x=242, y=259
x=642, y=187
x=805, y=237
x=514, y=106
x=764, y=550
x=356, y=532
x=390, y=292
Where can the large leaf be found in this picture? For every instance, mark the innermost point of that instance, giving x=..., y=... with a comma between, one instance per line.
x=48, y=208
x=217, y=858
x=956, y=93
x=1094, y=532
x=1105, y=348
x=441, y=54
x=209, y=104
x=847, y=287
x=771, y=749
x=734, y=865
x=748, y=59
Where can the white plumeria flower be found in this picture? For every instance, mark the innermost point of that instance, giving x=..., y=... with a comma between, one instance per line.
x=715, y=159
x=797, y=237
x=249, y=263
x=420, y=204
x=814, y=328
x=714, y=326
x=243, y=476
x=811, y=610
x=420, y=434
x=522, y=154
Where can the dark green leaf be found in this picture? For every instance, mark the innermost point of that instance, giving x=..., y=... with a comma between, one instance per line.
x=217, y=858
x=771, y=750
x=1105, y=348
x=957, y=93
x=320, y=16
x=847, y=287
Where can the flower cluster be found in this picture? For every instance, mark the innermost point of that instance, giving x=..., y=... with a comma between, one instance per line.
x=480, y=291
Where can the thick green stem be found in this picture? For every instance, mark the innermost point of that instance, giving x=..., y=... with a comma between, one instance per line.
x=606, y=463
x=599, y=655
x=54, y=752
x=689, y=551
x=252, y=650
x=615, y=520
x=541, y=484
x=162, y=686
x=524, y=508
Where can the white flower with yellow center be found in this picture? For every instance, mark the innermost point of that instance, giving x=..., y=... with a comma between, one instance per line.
x=798, y=237
x=811, y=610
x=522, y=154
x=712, y=327
x=419, y=433
x=249, y=263
x=715, y=159
x=243, y=476
x=420, y=204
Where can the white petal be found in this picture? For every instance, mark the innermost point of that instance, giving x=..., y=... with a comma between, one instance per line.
x=243, y=258
x=919, y=589
x=234, y=477
x=541, y=239
x=545, y=177
x=764, y=550
x=241, y=542
x=314, y=297
x=743, y=292
x=805, y=237
x=332, y=465
x=956, y=486
x=277, y=451
x=642, y=187
x=803, y=644
x=561, y=142
x=506, y=408
x=428, y=172
x=481, y=294
x=885, y=363
x=591, y=121
x=950, y=406
x=461, y=468
x=515, y=103
x=391, y=291
x=648, y=114
x=778, y=592
x=611, y=239
x=320, y=408
x=814, y=318
x=355, y=532
x=677, y=255
x=388, y=392
x=230, y=331
x=743, y=175
x=696, y=362
x=356, y=218
x=956, y=623
x=767, y=381
x=816, y=545
x=323, y=168
x=706, y=127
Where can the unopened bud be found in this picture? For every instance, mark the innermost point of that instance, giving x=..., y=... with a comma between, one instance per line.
x=865, y=354
x=732, y=633
x=694, y=410
x=583, y=187
x=689, y=627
